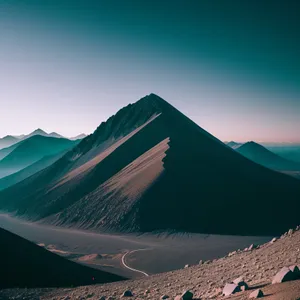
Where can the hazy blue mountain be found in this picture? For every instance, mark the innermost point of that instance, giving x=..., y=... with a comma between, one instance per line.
x=5, y=151
x=30, y=170
x=8, y=141
x=150, y=168
x=265, y=157
x=233, y=145
x=288, y=151
x=34, y=266
x=30, y=151
x=78, y=137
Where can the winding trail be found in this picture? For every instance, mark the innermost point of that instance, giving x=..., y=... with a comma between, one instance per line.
x=132, y=269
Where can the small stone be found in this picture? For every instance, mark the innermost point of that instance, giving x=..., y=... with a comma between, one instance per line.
x=252, y=247
x=127, y=294
x=285, y=274
x=186, y=266
x=256, y=294
x=230, y=289
x=273, y=240
x=164, y=297
x=201, y=262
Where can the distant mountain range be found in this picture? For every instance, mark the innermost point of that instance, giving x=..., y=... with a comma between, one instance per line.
x=265, y=157
x=151, y=168
x=10, y=140
x=34, y=266
x=233, y=144
x=29, y=151
x=268, y=158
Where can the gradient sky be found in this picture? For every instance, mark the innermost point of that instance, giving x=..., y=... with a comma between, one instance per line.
x=231, y=66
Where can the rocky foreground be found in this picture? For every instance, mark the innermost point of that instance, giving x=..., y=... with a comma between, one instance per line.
x=257, y=266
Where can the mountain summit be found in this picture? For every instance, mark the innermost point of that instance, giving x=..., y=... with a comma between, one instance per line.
x=149, y=168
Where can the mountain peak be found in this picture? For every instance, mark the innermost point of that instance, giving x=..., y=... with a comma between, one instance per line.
x=39, y=131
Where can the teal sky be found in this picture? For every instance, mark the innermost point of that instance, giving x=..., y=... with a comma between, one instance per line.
x=233, y=67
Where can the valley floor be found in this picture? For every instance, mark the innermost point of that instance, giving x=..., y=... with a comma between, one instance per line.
x=206, y=281
x=156, y=253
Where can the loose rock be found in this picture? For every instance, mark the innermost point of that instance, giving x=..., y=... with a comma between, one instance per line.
x=127, y=294
x=256, y=294
x=230, y=289
x=285, y=274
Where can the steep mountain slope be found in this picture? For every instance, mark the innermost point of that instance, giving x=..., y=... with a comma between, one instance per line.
x=28, y=265
x=30, y=151
x=8, y=141
x=30, y=170
x=151, y=168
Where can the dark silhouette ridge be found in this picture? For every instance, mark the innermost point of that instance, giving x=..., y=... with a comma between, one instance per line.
x=169, y=174
x=25, y=264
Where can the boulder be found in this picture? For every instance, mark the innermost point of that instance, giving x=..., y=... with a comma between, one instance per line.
x=273, y=240
x=164, y=297
x=230, y=289
x=295, y=269
x=186, y=266
x=285, y=274
x=187, y=295
x=241, y=283
x=127, y=294
x=256, y=294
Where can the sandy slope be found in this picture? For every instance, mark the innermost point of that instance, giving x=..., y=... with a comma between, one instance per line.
x=207, y=280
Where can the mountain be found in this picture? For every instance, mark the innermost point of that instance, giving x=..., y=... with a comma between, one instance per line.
x=151, y=168
x=288, y=151
x=8, y=141
x=78, y=137
x=30, y=170
x=42, y=133
x=30, y=151
x=5, y=151
x=265, y=157
x=55, y=135
x=28, y=265
x=233, y=144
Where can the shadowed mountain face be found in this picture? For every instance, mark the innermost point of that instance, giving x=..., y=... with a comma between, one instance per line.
x=263, y=156
x=28, y=265
x=30, y=151
x=151, y=168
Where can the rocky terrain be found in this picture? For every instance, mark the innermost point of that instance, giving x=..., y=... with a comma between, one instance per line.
x=257, y=265
x=150, y=168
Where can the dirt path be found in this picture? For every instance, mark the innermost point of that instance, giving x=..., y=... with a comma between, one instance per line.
x=132, y=269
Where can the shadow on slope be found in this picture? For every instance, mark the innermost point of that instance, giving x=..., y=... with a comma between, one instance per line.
x=25, y=264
